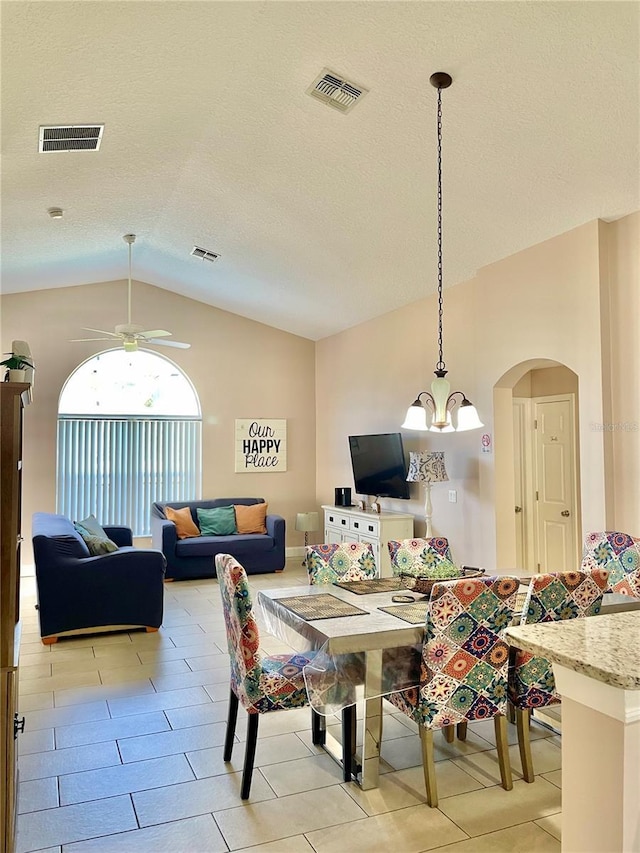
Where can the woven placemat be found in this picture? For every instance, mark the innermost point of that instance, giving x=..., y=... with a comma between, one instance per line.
x=321, y=606
x=371, y=585
x=415, y=613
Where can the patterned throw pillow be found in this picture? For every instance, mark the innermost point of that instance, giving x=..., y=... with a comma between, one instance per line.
x=185, y=525
x=219, y=521
x=251, y=519
x=94, y=536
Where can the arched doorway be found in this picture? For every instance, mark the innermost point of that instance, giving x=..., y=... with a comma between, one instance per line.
x=537, y=467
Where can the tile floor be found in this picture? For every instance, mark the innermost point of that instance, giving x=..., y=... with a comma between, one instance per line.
x=122, y=753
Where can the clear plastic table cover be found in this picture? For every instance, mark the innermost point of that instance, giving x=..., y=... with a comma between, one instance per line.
x=339, y=673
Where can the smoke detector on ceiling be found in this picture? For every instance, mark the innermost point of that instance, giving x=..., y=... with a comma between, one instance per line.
x=71, y=137
x=204, y=254
x=335, y=91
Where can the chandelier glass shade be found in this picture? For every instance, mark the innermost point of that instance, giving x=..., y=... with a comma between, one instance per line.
x=434, y=413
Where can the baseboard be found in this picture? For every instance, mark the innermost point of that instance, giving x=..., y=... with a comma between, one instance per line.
x=298, y=551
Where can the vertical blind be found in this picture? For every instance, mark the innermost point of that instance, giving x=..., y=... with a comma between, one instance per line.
x=115, y=468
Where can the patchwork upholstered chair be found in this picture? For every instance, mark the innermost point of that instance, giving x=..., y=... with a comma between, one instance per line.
x=550, y=598
x=259, y=683
x=464, y=666
x=326, y=564
x=619, y=554
x=422, y=557
x=347, y=561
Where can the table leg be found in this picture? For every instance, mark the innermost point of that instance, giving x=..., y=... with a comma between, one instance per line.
x=372, y=720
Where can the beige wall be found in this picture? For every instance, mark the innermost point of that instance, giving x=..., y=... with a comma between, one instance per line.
x=546, y=382
x=240, y=369
x=542, y=304
x=622, y=241
x=573, y=301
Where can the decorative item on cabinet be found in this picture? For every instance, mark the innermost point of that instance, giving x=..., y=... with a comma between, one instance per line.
x=19, y=364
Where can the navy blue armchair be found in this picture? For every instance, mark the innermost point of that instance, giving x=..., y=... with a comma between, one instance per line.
x=77, y=591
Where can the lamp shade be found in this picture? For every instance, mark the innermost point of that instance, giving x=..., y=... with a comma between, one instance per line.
x=307, y=522
x=468, y=417
x=427, y=466
x=416, y=417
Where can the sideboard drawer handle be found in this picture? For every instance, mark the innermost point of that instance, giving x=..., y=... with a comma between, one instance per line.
x=371, y=528
x=343, y=520
x=356, y=524
x=330, y=518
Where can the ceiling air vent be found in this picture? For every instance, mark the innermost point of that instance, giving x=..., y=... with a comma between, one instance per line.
x=204, y=255
x=73, y=137
x=334, y=91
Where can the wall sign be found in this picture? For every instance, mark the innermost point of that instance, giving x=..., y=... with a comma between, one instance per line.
x=486, y=443
x=261, y=445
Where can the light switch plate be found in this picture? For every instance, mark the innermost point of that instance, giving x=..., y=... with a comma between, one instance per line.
x=453, y=496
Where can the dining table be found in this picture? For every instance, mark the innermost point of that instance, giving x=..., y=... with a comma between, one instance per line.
x=368, y=633
x=337, y=624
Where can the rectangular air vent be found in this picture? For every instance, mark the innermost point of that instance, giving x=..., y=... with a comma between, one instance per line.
x=204, y=255
x=334, y=91
x=73, y=137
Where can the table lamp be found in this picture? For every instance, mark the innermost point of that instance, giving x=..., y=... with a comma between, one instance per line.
x=306, y=522
x=427, y=466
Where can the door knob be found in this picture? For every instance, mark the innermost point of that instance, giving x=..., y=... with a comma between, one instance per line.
x=518, y=509
x=565, y=513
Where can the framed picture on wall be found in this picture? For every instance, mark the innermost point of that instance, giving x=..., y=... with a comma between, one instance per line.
x=261, y=445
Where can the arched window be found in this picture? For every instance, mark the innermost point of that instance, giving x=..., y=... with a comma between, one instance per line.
x=129, y=433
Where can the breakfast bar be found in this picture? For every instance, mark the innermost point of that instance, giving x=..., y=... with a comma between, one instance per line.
x=596, y=665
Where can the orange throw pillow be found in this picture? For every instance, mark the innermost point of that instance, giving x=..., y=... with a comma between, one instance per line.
x=185, y=525
x=251, y=519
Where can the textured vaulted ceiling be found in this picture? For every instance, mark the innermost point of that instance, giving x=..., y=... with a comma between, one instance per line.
x=322, y=220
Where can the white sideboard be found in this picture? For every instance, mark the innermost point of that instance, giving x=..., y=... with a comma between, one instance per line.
x=344, y=524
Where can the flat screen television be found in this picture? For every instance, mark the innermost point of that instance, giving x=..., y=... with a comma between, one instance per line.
x=378, y=465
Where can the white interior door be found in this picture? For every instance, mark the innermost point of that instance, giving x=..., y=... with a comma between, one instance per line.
x=519, y=473
x=555, y=475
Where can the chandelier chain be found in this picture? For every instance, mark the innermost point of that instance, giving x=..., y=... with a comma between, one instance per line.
x=441, y=364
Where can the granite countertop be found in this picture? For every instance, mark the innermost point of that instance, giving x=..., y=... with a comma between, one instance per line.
x=602, y=647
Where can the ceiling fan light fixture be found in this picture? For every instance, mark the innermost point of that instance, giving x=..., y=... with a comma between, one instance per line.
x=131, y=334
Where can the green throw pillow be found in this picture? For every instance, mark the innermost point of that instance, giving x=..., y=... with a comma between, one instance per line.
x=219, y=521
x=94, y=536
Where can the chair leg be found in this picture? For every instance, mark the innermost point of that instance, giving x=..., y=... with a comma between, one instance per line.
x=49, y=641
x=150, y=630
x=249, y=755
x=449, y=733
x=462, y=730
x=318, y=728
x=348, y=741
x=524, y=743
x=232, y=716
x=428, y=766
x=511, y=713
x=502, y=745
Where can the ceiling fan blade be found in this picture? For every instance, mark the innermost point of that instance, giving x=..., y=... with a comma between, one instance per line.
x=177, y=344
x=102, y=332
x=155, y=333
x=81, y=340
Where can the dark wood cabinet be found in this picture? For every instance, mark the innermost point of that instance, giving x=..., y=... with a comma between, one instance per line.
x=13, y=398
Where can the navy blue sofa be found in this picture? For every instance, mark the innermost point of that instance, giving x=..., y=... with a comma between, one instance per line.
x=77, y=591
x=195, y=558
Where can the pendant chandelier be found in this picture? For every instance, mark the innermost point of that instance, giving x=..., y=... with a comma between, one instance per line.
x=440, y=402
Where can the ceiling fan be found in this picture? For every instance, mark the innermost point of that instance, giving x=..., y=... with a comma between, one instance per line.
x=129, y=333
